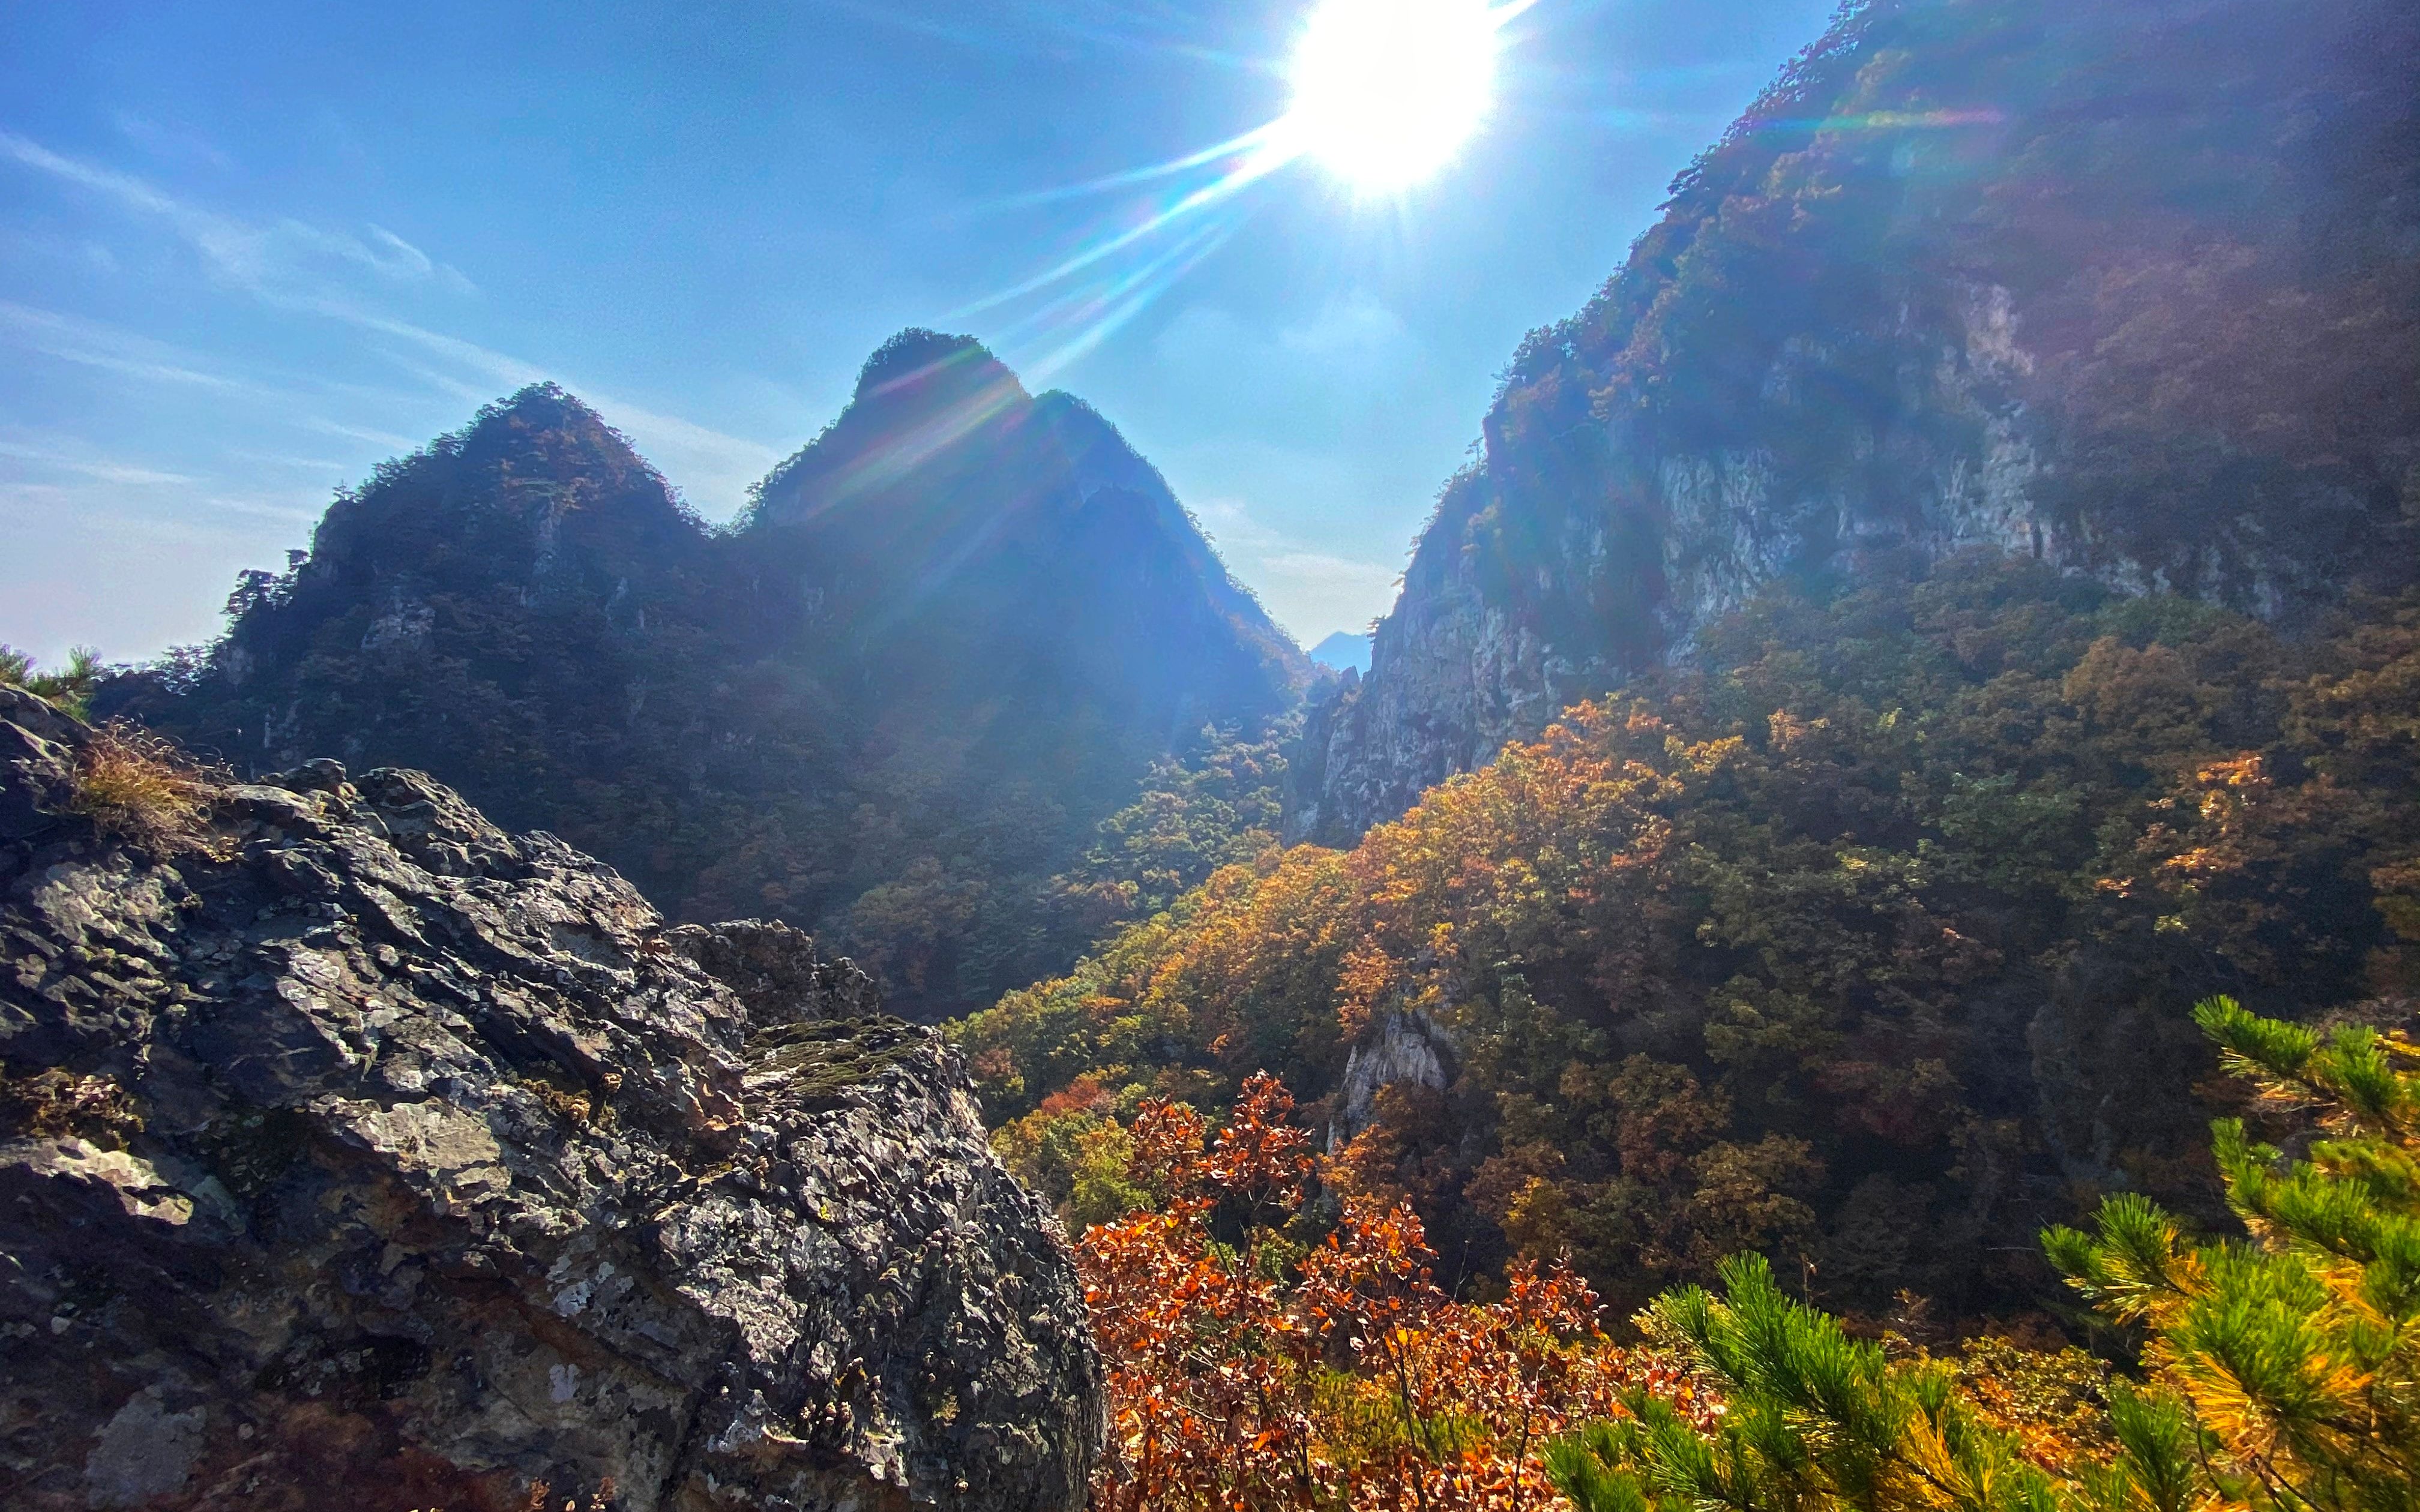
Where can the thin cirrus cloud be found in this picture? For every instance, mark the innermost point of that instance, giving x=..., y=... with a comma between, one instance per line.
x=104, y=348
x=721, y=465
x=163, y=140
x=267, y=257
x=100, y=469
x=92, y=344
x=299, y=267
x=228, y=478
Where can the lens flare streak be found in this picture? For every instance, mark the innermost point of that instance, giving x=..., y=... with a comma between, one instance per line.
x=1379, y=104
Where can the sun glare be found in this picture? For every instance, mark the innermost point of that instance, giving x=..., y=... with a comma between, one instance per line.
x=1387, y=91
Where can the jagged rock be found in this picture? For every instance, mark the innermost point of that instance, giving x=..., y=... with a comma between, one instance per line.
x=775, y=968
x=1401, y=1049
x=361, y=1154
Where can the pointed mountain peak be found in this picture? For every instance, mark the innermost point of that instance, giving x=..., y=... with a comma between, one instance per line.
x=928, y=406
x=546, y=401
x=918, y=358
x=533, y=475
x=547, y=416
x=950, y=385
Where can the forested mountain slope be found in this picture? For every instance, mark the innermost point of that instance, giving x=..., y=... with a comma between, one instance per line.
x=1867, y=939
x=2129, y=286
x=956, y=631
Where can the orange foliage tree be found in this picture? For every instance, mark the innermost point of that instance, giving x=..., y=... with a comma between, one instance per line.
x=1859, y=946
x=1248, y=1368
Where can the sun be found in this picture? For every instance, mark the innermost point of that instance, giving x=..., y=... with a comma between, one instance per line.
x=1387, y=91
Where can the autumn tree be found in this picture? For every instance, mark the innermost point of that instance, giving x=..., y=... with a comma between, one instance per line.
x=1251, y=1369
x=1860, y=942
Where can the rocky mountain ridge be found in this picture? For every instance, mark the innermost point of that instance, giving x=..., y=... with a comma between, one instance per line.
x=954, y=634
x=2131, y=287
x=355, y=1151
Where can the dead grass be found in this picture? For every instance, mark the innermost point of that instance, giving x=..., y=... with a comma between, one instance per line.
x=145, y=789
x=54, y=1105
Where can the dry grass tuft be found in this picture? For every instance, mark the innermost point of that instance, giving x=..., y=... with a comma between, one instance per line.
x=143, y=789
x=54, y=1105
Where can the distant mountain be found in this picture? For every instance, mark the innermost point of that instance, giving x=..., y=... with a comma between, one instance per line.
x=950, y=636
x=1343, y=651
x=2132, y=286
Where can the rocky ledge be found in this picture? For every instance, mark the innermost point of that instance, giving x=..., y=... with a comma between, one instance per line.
x=356, y=1153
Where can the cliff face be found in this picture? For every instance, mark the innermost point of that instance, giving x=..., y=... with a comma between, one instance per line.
x=356, y=1152
x=2133, y=287
x=954, y=635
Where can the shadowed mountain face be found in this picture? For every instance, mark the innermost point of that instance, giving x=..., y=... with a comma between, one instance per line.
x=952, y=635
x=2129, y=286
x=1009, y=548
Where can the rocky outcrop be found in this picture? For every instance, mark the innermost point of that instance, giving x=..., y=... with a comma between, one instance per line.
x=2130, y=286
x=355, y=1152
x=1399, y=1050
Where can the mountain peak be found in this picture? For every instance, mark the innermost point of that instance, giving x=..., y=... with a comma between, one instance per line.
x=545, y=402
x=1343, y=651
x=2093, y=323
x=536, y=485
x=918, y=355
x=939, y=616
x=544, y=424
x=927, y=407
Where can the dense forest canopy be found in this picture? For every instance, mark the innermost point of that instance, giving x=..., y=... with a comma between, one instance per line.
x=1865, y=941
x=1856, y=948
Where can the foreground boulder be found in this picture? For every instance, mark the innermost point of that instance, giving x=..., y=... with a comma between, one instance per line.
x=356, y=1153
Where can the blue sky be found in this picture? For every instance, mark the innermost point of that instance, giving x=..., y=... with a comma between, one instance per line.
x=248, y=250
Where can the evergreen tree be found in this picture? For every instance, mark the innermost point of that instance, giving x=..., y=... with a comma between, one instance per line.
x=70, y=688
x=2298, y=1351
x=2281, y=1367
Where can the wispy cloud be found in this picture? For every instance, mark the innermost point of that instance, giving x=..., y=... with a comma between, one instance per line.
x=110, y=348
x=297, y=267
x=104, y=469
x=387, y=439
x=284, y=257
x=1311, y=592
x=1324, y=570
x=282, y=459
x=714, y=463
x=292, y=508
x=1060, y=28
x=92, y=344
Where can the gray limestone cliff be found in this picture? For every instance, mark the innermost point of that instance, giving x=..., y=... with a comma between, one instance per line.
x=355, y=1152
x=2130, y=286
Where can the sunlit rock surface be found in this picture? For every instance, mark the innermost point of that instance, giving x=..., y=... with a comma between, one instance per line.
x=360, y=1155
